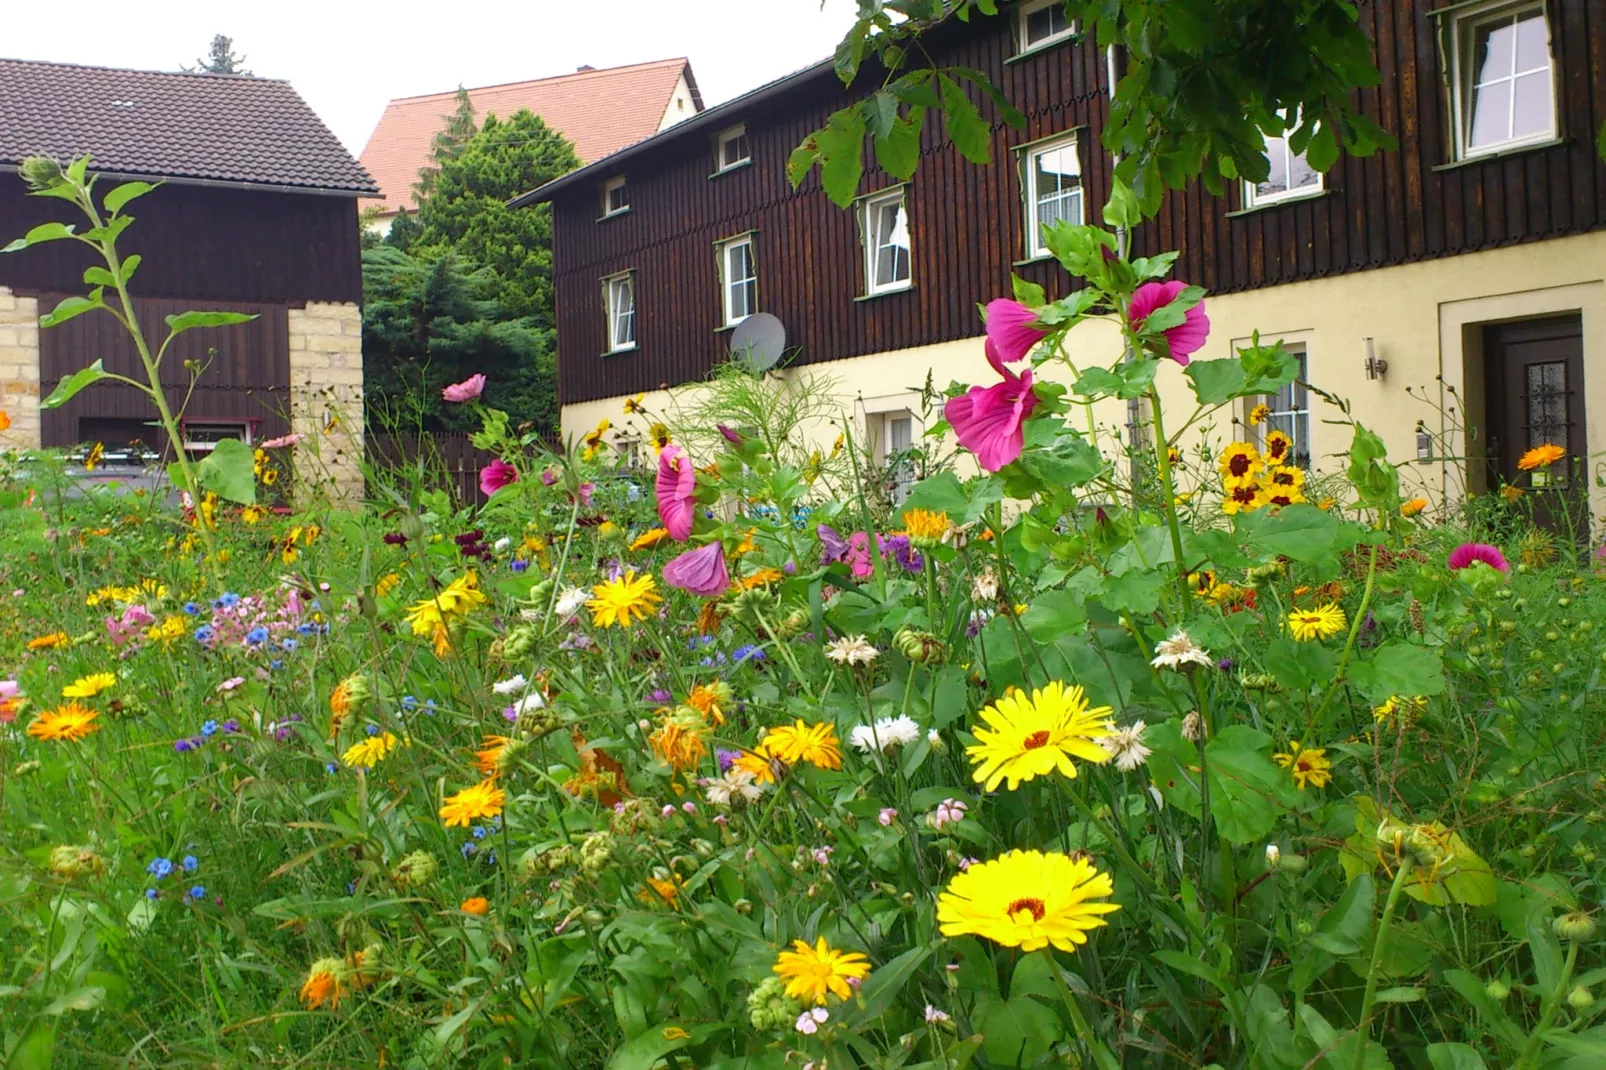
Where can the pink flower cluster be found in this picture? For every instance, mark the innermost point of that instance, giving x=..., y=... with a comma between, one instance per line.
x=134, y=619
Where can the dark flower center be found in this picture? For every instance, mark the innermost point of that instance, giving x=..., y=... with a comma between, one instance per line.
x=1239, y=465
x=1036, y=739
x=1034, y=905
x=1243, y=494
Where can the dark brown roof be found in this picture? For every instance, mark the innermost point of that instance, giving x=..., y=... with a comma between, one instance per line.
x=198, y=127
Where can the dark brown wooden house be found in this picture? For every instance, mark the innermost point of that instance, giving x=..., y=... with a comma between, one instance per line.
x=256, y=212
x=1491, y=212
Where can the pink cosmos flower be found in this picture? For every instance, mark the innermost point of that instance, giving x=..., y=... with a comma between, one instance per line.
x=281, y=442
x=584, y=492
x=989, y=421
x=468, y=390
x=1186, y=338
x=1010, y=334
x=549, y=476
x=677, y=483
x=700, y=572
x=1468, y=552
x=9, y=689
x=496, y=475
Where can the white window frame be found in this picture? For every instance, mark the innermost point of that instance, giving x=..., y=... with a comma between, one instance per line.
x=873, y=245
x=727, y=285
x=245, y=428
x=1463, y=26
x=608, y=210
x=1298, y=419
x=611, y=286
x=1024, y=13
x=1253, y=198
x=721, y=165
x=1036, y=246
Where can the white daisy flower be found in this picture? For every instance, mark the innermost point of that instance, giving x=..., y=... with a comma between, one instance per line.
x=1179, y=650
x=502, y=544
x=513, y=685
x=851, y=650
x=887, y=734
x=735, y=787
x=1126, y=746
x=572, y=601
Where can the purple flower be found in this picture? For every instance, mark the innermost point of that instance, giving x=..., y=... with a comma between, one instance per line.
x=898, y=547
x=184, y=746
x=659, y=697
x=701, y=572
x=726, y=758
x=1464, y=555
x=832, y=545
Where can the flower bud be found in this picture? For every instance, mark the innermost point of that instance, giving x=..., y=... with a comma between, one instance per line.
x=921, y=647
x=1580, y=998
x=1575, y=926
x=1274, y=857
x=68, y=861
x=40, y=172
x=414, y=871
x=744, y=907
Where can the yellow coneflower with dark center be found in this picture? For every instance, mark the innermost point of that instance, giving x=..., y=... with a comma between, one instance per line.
x=1239, y=462
x=658, y=435
x=1278, y=447
x=1244, y=498
x=1259, y=414
x=634, y=406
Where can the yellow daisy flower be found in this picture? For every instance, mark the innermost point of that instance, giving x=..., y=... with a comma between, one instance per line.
x=1027, y=899
x=816, y=744
x=371, y=751
x=1278, y=445
x=631, y=597
x=1239, y=462
x=65, y=724
x=49, y=642
x=648, y=539
x=1323, y=622
x=1541, y=457
x=811, y=973
x=1259, y=414
x=1244, y=498
x=473, y=804
x=1031, y=737
x=89, y=686
x=1307, y=765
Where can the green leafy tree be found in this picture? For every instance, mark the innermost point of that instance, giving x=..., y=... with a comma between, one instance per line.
x=1199, y=83
x=432, y=319
x=466, y=209
x=220, y=59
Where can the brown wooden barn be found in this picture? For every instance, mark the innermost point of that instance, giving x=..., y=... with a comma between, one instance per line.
x=256, y=212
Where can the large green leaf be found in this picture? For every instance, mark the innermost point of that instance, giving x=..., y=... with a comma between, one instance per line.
x=118, y=197
x=71, y=308
x=1400, y=669
x=228, y=472
x=966, y=128
x=44, y=232
x=1018, y=1032
x=1300, y=532
x=1245, y=784
x=68, y=387
x=1446, y=1056
x=186, y=321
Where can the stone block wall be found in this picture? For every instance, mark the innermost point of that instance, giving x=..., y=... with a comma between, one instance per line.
x=326, y=399
x=19, y=370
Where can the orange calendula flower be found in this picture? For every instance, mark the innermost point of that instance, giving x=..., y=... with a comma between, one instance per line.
x=326, y=983
x=813, y=972
x=477, y=905
x=764, y=577
x=65, y=724
x=710, y=700
x=1541, y=457
x=648, y=539
x=49, y=642
x=473, y=804
x=1413, y=507
x=816, y=744
x=679, y=740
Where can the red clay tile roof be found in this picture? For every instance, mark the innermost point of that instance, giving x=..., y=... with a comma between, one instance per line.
x=215, y=127
x=599, y=111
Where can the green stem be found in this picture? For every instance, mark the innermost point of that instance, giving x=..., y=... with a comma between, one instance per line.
x=1168, y=509
x=1379, y=946
x=1536, y=1039
x=1102, y=1056
x=1349, y=647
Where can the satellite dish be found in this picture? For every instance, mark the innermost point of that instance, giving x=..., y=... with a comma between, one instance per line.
x=758, y=342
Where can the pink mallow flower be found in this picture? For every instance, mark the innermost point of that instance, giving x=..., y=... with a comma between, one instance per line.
x=281, y=442
x=700, y=572
x=677, y=486
x=1010, y=331
x=1187, y=337
x=990, y=421
x=468, y=390
x=496, y=475
x=1464, y=555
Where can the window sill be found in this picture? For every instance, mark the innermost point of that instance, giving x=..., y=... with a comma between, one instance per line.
x=1497, y=154
x=1281, y=202
x=723, y=171
x=1038, y=49
x=604, y=217
x=620, y=352
x=887, y=291
x=1040, y=258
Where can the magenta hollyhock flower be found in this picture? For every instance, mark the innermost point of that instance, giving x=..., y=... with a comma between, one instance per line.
x=1010, y=334
x=700, y=572
x=1186, y=338
x=1468, y=552
x=584, y=493
x=677, y=484
x=468, y=390
x=281, y=442
x=496, y=475
x=989, y=421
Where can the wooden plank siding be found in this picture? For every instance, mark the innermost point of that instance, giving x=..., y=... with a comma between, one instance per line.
x=966, y=221
x=246, y=377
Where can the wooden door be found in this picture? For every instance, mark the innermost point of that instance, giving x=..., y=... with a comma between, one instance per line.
x=1534, y=379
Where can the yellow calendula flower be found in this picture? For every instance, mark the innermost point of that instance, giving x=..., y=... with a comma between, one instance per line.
x=710, y=700
x=1413, y=507
x=1541, y=457
x=49, y=642
x=650, y=538
x=812, y=973
x=621, y=602
x=1259, y=414
x=763, y=577
x=681, y=739
x=89, y=686
x=1307, y=765
x=371, y=751
x=473, y=804
x=794, y=743
x=65, y=724
x=1323, y=622
x=1027, y=899
x=925, y=527
x=1239, y=462
x=1028, y=737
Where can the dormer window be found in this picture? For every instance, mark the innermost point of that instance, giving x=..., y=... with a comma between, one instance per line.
x=732, y=149
x=615, y=197
x=1043, y=23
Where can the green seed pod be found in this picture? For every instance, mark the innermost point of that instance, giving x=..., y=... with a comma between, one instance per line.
x=1575, y=926
x=921, y=647
x=1580, y=999
x=1497, y=990
x=415, y=871
x=68, y=861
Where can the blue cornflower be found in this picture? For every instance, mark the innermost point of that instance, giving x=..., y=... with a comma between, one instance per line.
x=329, y=767
x=198, y=892
x=288, y=645
x=257, y=635
x=519, y=566
x=408, y=702
x=479, y=832
x=184, y=746
x=159, y=868
x=190, y=863
x=745, y=652
x=372, y=729
x=304, y=629
x=192, y=608
x=205, y=633
x=151, y=893
x=276, y=663
x=229, y=599
x=209, y=728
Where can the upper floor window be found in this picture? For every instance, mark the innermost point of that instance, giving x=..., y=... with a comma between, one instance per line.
x=886, y=243
x=1053, y=190
x=738, y=279
x=732, y=149
x=1505, y=86
x=615, y=196
x=1291, y=176
x=619, y=297
x=1043, y=22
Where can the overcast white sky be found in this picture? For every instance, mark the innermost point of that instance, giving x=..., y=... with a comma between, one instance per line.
x=348, y=57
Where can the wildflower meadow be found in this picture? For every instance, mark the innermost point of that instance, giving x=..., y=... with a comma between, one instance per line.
x=1094, y=750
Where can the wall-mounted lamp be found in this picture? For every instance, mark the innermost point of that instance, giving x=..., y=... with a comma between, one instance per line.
x=1375, y=367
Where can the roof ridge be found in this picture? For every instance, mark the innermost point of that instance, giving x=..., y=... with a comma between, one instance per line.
x=684, y=60
x=142, y=70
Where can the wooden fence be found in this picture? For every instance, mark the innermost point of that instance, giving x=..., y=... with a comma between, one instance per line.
x=448, y=460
